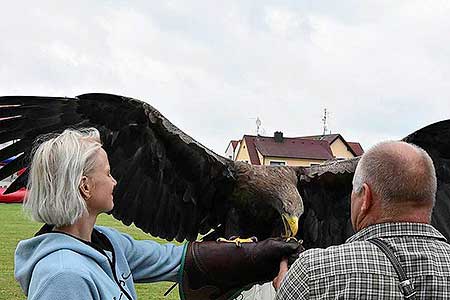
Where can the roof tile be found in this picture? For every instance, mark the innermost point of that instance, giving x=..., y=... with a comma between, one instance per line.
x=356, y=147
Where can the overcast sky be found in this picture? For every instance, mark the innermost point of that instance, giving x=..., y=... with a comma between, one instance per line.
x=382, y=68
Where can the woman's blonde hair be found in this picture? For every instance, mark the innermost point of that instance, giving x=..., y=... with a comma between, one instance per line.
x=57, y=167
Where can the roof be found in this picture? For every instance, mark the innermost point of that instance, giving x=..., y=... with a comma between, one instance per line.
x=251, y=149
x=330, y=138
x=356, y=147
x=290, y=147
x=234, y=144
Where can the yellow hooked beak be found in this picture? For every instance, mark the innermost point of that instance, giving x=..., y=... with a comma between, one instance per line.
x=290, y=225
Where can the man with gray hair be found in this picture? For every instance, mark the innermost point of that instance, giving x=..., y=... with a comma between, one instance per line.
x=396, y=253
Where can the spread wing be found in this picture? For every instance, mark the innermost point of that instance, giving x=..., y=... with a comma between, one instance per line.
x=169, y=185
x=435, y=139
x=326, y=190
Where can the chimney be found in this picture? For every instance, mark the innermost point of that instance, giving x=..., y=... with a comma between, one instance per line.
x=278, y=136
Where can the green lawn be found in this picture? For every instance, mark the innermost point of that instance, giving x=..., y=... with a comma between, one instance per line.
x=14, y=226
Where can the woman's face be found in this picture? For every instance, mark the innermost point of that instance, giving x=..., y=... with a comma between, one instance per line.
x=101, y=185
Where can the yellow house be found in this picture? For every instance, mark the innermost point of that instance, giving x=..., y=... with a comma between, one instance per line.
x=298, y=151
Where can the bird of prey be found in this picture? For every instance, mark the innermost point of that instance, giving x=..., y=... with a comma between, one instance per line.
x=173, y=187
x=169, y=185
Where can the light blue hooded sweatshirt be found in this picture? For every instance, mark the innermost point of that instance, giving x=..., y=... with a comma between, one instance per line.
x=57, y=266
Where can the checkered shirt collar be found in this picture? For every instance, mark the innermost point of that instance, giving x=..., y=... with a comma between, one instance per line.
x=396, y=229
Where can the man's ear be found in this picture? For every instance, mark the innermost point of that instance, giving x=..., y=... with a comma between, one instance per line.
x=85, y=188
x=367, y=198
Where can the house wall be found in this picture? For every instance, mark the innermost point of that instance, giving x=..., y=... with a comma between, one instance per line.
x=292, y=161
x=242, y=153
x=229, y=151
x=339, y=149
x=260, y=156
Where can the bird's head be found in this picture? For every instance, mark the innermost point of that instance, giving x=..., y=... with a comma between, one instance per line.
x=285, y=198
x=275, y=187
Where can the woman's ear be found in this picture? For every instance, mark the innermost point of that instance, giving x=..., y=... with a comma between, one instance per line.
x=85, y=188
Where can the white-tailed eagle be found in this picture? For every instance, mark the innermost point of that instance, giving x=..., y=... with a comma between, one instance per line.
x=173, y=187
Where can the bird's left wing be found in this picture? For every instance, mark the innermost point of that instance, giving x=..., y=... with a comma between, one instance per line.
x=169, y=185
x=325, y=190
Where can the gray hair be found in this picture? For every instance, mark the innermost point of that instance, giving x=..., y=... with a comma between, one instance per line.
x=395, y=176
x=57, y=167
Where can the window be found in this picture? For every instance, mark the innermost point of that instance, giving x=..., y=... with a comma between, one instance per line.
x=277, y=163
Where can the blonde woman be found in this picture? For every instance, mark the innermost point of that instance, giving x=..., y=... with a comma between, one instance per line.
x=70, y=184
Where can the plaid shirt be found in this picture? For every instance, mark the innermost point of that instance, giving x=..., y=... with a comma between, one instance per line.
x=359, y=270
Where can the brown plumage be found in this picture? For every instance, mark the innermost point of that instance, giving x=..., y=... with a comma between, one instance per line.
x=263, y=193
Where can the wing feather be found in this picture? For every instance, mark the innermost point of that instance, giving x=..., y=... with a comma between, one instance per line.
x=168, y=184
x=435, y=139
x=326, y=190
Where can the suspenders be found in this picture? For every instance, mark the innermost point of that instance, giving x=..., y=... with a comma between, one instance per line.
x=406, y=285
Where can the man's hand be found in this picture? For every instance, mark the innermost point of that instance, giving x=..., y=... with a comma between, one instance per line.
x=281, y=274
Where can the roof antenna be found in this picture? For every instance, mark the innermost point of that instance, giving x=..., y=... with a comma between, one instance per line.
x=258, y=125
x=325, y=124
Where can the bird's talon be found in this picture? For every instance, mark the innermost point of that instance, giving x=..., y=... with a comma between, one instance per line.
x=238, y=241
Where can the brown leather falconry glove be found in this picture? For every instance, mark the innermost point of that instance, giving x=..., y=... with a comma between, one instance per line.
x=217, y=270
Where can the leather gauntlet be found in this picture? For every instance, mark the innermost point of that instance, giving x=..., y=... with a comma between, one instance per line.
x=218, y=270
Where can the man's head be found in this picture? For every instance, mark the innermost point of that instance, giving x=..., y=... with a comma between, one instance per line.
x=393, y=182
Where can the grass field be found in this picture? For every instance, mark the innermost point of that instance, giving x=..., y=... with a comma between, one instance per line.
x=14, y=226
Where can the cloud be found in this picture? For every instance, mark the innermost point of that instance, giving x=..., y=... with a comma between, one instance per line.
x=382, y=68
